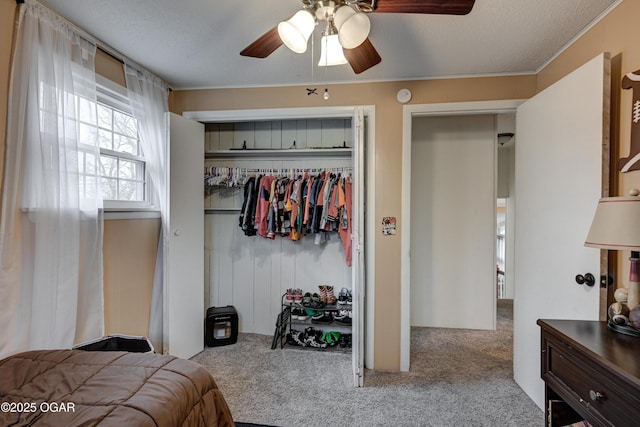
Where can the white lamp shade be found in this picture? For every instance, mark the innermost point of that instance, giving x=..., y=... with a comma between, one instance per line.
x=353, y=27
x=295, y=32
x=616, y=224
x=331, y=51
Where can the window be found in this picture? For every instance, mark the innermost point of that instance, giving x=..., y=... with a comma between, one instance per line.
x=122, y=167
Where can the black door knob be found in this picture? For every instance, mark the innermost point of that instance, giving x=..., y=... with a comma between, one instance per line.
x=588, y=279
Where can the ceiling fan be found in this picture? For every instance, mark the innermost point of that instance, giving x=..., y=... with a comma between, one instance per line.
x=345, y=37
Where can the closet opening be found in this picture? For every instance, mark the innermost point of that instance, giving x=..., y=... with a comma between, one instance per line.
x=268, y=273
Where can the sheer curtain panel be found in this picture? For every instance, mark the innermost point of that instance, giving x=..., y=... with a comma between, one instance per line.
x=149, y=104
x=51, y=225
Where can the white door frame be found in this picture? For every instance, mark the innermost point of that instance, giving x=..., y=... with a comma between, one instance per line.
x=408, y=112
x=363, y=277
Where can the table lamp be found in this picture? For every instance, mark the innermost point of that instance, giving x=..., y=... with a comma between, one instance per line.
x=616, y=226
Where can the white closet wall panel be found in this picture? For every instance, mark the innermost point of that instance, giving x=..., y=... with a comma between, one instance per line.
x=251, y=272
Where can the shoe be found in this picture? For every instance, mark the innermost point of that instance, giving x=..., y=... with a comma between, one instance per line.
x=312, y=338
x=324, y=318
x=345, y=341
x=344, y=317
x=288, y=297
x=297, y=296
x=343, y=296
x=302, y=314
x=316, y=302
x=306, y=299
x=345, y=321
x=297, y=338
x=323, y=293
x=331, y=298
x=331, y=338
x=342, y=342
x=349, y=298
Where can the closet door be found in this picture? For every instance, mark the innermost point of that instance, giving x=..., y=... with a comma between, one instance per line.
x=357, y=266
x=184, y=262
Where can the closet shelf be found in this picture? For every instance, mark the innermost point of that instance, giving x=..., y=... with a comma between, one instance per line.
x=279, y=153
x=216, y=210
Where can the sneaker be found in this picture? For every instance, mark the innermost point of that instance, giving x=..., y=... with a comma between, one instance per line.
x=312, y=338
x=343, y=296
x=297, y=296
x=288, y=297
x=347, y=341
x=324, y=318
x=344, y=317
x=315, y=342
x=297, y=338
x=343, y=313
x=316, y=301
x=296, y=313
x=306, y=299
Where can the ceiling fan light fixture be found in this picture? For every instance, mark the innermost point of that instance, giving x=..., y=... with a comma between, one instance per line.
x=331, y=51
x=353, y=26
x=295, y=31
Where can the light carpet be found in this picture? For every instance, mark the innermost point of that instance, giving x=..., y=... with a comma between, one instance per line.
x=457, y=378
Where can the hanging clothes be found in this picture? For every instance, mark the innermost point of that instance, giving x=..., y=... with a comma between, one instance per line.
x=263, y=205
x=247, y=212
x=291, y=206
x=345, y=224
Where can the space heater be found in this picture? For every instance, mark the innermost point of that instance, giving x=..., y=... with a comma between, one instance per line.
x=221, y=326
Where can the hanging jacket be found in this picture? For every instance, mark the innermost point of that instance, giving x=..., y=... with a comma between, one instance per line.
x=246, y=218
x=263, y=206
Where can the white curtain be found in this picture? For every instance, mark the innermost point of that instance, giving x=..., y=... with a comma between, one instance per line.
x=149, y=104
x=51, y=227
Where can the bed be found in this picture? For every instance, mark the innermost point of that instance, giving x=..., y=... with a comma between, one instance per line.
x=86, y=388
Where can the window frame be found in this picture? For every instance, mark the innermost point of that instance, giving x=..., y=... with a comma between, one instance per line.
x=115, y=96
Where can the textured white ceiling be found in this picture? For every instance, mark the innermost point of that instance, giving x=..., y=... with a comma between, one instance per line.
x=196, y=43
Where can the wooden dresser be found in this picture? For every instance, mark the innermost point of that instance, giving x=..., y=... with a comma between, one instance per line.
x=591, y=373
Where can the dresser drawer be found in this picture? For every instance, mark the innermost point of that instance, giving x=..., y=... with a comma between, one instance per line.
x=590, y=385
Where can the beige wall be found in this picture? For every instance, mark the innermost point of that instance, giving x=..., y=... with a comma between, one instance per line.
x=615, y=33
x=130, y=248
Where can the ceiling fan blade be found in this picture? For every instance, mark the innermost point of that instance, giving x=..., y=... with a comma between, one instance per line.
x=442, y=7
x=363, y=57
x=264, y=46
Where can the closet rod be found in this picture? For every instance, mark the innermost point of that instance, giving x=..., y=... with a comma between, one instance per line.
x=271, y=170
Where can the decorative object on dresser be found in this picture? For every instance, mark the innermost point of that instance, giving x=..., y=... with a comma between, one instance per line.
x=615, y=226
x=590, y=374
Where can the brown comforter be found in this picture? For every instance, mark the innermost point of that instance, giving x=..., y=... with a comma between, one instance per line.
x=82, y=388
